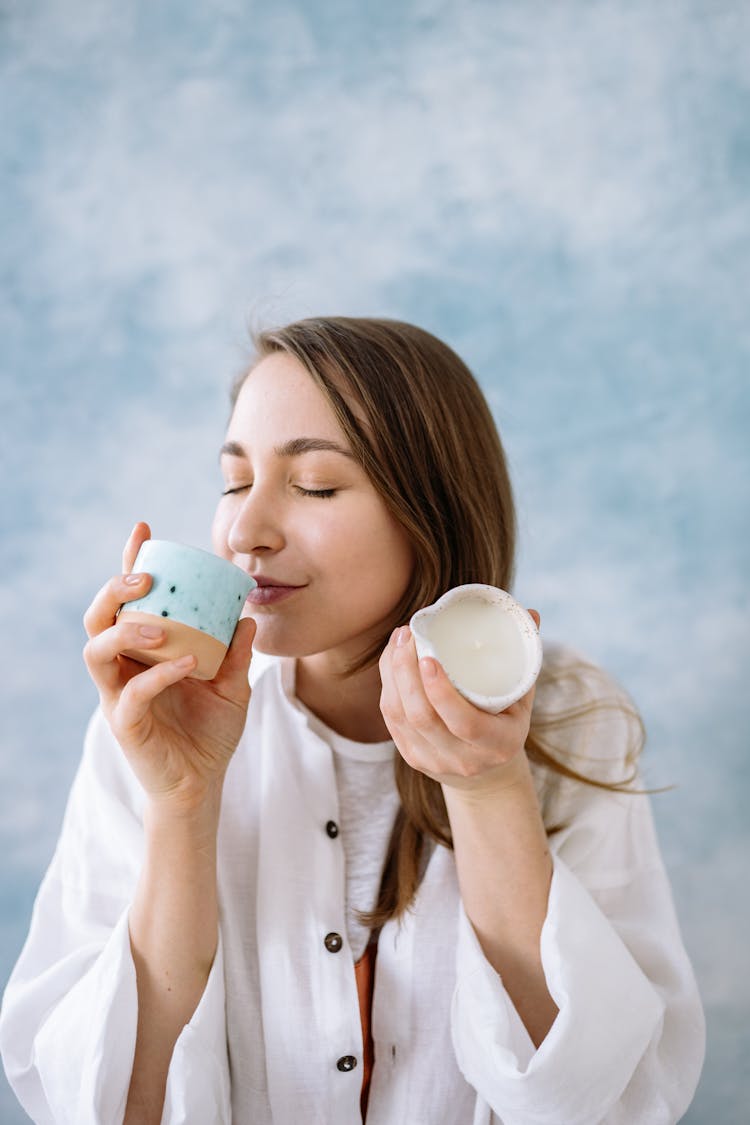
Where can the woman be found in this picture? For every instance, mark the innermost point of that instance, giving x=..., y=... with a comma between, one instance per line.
x=254, y=897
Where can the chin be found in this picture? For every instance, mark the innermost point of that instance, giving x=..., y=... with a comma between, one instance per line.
x=279, y=645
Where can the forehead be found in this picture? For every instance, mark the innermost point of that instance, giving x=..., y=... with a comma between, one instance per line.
x=279, y=399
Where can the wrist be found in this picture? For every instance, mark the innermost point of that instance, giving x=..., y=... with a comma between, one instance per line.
x=502, y=781
x=185, y=813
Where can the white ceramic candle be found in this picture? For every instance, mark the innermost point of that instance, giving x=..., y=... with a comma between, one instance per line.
x=196, y=597
x=486, y=642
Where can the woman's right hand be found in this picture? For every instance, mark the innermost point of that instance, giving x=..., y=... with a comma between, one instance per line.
x=177, y=733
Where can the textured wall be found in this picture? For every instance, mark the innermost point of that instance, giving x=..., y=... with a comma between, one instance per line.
x=560, y=190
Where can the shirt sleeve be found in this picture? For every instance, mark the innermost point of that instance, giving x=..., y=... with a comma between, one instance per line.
x=628, y=1041
x=70, y=1010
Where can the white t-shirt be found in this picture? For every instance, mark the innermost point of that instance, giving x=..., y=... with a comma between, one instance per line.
x=280, y=1010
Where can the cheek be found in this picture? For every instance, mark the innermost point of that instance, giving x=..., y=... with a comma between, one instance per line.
x=381, y=553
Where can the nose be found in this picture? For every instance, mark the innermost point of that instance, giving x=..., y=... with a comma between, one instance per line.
x=256, y=527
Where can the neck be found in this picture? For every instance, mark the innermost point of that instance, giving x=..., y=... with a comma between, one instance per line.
x=349, y=705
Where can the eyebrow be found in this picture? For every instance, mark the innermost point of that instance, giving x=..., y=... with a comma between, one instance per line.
x=292, y=448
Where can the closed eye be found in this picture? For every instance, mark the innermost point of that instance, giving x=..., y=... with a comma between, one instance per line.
x=322, y=493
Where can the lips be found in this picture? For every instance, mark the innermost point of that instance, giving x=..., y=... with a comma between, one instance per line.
x=269, y=591
x=266, y=580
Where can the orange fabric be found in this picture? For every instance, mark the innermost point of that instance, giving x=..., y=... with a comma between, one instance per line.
x=364, y=971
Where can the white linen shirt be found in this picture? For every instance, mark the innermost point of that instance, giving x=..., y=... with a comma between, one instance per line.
x=279, y=1010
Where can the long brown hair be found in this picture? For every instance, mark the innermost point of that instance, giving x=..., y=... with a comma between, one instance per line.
x=422, y=429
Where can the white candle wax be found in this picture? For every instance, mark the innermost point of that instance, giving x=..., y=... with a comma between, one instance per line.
x=479, y=646
x=488, y=644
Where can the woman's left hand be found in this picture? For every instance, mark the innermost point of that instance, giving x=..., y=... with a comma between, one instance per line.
x=440, y=733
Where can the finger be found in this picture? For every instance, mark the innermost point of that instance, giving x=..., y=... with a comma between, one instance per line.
x=418, y=711
x=534, y=614
x=138, y=536
x=102, y=612
x=102, y=650
x=232, y=675
x=140, y=692
x=465, y=722
x=390, y=701
x=524, y=705
x=411, y=745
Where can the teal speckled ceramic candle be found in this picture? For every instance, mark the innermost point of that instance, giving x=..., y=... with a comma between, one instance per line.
x=196, y=597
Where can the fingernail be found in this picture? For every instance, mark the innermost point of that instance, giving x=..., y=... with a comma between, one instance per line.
x=132, y=579
x=151, y=631
x=185, y=661
x=404, y=634
x=429, y=668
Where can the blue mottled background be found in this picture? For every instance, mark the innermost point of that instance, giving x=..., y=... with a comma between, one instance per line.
x=559, y=189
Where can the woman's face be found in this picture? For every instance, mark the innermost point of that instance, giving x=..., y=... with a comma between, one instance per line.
x=300, y=515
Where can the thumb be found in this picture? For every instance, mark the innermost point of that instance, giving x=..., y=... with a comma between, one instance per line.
x=236, y=663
